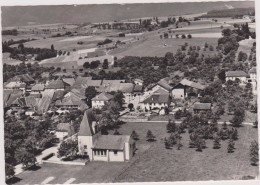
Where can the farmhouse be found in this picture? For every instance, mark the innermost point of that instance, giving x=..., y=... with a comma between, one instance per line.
x=252, y=73
x=101, y=99
x=233, y=75
x=23, y=78
x=201, y=107
x=64, y=130
x=162, y=84
x=103, y=147
x=37, y=89
x=15, y=85
x=57, y=85
x=158, y=100
x=71, y=101
x=185, y=88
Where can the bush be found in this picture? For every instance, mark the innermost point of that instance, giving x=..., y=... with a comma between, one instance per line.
x=189, y=36
x=183, y=36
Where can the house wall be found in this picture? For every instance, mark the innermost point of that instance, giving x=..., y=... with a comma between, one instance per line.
x=116, y=157
x=98, y=104
x=88, y=141
x=242, y=79
x=100, y=155
x=153, y=105
x=253, y=76
x=178, y=93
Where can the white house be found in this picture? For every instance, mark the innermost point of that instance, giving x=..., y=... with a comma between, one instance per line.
x=158, y=100
x=101, y=99
x=103, y=147
x=138, y=81
x=252, y=73
x=233, y=75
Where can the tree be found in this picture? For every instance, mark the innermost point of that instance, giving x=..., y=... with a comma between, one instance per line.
x=90, y=93
x=52, y=48
x=226, y=32
x=9, y=170
x=231, y=146
x=167, y=143
x=189, y=36
x=177, y=36
x=119, y=98
x=105, y=64
x=116, y=132
x=238, y=117
x=135, y=135
x=206, y=45
x=171, y=126
x=149, y=136
x=130, y=106
x=68, y=148
x=216, y=142
x=254, y=153
x=255, y=124
x=183, y=36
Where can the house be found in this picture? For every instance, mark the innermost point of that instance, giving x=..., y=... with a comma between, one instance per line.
x=101, y=99
x=25, y=78
x=162, y=84
x=15, y=85
x=186, y=88
x=233, y=75
x=127, y=89
x=71, y=101
x=138, y=81
x=37, y=89
x=57, y=85
x=69, y=81
x=64, y=130
x=201, y=107
x=138, y=90
x=158, y=100
x=10, y=96
x=252, y=73
x=99, y=147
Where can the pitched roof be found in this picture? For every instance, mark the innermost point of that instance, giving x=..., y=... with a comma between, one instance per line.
x=252, y=70
x=157, y=98
x=236, y=74
x=138, y=80
x=38, y=87
x=161, y=91
x=57, y=84
x=165, y=84
x=191, y=84
x=126, y=87
x=138, y=88
x=112, y=82
x=103, y=97
x=202, y=106
x=9, y=99
x=111, y=142
x=24, y=78
x=81, y=82
x=65, y=127
x=71, y=99
x=69, y=81
x=86, y=124
x=15, y=84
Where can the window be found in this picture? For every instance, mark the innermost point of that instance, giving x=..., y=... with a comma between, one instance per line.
x=85, y=146
x=115, y=152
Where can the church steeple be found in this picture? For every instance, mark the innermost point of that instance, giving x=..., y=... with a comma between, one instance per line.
x=86, y=128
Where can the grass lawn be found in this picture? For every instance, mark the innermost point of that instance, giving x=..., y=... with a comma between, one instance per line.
x=155, y=163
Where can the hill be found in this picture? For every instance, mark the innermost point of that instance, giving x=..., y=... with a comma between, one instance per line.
x=25, y=15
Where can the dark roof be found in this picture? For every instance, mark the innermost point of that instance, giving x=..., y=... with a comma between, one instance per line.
x=236, y=74
x=103, y=97
x=191, y=84
x=202, y=106
x=157, y=98
x=126, y=87
x=65, y=127
x=111, y=142
x=138, y=88
x=86, y=124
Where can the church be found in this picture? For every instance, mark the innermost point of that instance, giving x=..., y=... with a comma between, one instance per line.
x=103, y=147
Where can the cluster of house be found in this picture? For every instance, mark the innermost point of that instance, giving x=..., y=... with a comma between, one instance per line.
x=244, y=78
x=23, y=93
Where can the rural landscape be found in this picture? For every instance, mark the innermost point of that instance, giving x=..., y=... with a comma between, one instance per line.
x=130, y=93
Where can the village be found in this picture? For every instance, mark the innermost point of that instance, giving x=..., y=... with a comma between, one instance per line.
x=108, y=109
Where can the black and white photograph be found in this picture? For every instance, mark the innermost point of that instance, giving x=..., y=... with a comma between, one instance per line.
x=129, y=92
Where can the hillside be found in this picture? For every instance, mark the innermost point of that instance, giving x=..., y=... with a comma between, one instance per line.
x=25, y=15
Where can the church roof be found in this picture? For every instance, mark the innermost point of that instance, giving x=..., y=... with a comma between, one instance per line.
x=86, y=124
x=111, y=142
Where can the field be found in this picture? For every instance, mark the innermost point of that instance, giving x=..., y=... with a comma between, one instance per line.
x=158, y=47
x=153, y=162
